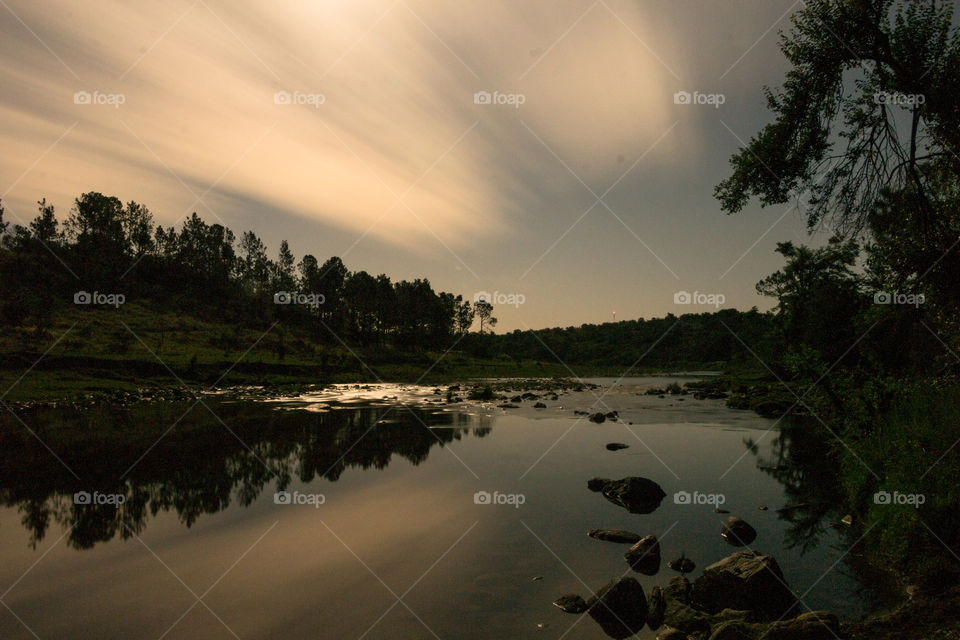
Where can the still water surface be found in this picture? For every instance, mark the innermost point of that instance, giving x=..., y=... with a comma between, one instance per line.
x=399, y=547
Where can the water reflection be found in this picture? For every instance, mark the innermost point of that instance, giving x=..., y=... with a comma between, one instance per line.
x=800, y=459
x=208, y=458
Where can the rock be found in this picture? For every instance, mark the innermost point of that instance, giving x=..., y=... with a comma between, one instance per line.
x=535, y=578
x=737, y=532
x=763, y=507
x=746, y=580
x=620, y=608
x=597, y=484
x=611, y=415
x=529, y=396
x=616, y=446
x=539, y=405
x=597, y=417
x=507, y=406
x=577, y=412
x=635, y=494
x=814, y=625
x=656, y=608
x=671, y=634
x=614, y=535
x=644, y=556
x=682, y=564
x=453, y=387
x=571, y=603
x=719, y=510
x=516, y=399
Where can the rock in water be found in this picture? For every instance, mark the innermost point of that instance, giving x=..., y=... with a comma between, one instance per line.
x=636, y=495
x=614, y=535
x=616, y=446
x=597, y=484
x=571, y=603
x=656, y=607
x=682, y=564
x=737, y=532
x=644, y=556
x=539, y=405
x=747, y=581
x=620, y=608
x=814, y=625
x=597, y=417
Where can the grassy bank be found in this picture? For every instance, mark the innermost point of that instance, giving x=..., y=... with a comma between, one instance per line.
x=111, y=351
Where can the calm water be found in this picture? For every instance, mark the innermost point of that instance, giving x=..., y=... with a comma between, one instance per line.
x=399, y=548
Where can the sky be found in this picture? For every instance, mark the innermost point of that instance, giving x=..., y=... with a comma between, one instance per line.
x=540, y=151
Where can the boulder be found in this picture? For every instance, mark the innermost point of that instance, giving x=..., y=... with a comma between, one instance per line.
x=619, y=607
x=597, y=417
x=539, y=405
x=635, y=494
x=644, y=556
x=614, y=535
x=746, y=580
x=571, y=603
x=737, y=532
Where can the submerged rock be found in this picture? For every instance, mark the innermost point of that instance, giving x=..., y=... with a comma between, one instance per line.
x=597, y=484
x=571, y=603
x=737, y=532
x=644, y=556
x=746, y=580
x=614, y=535
x=616, y=446
x=635, y=494
x=597, y=417
x=620, y=608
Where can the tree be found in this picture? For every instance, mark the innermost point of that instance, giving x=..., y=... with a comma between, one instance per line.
x=464, y=316
x=484, y=311
x=859, y=69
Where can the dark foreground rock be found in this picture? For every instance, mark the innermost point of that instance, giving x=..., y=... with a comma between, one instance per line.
x=682, y=564
x=616, y=446
x=656, y=608
x=620, y=608
x=746, y=580
x=615, y=535
x=597, y=417
x=813, y=625
x=737, y=532
x=644, y=556
x=635, y=494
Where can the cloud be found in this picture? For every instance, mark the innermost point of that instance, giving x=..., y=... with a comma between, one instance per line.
x=386, y=94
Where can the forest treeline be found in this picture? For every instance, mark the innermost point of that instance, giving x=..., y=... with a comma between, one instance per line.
x=114, y=249
x=110, y=248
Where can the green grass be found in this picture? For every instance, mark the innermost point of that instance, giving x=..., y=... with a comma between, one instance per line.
x=113, y=350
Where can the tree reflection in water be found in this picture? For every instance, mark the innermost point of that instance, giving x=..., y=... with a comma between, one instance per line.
x=207, y=460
